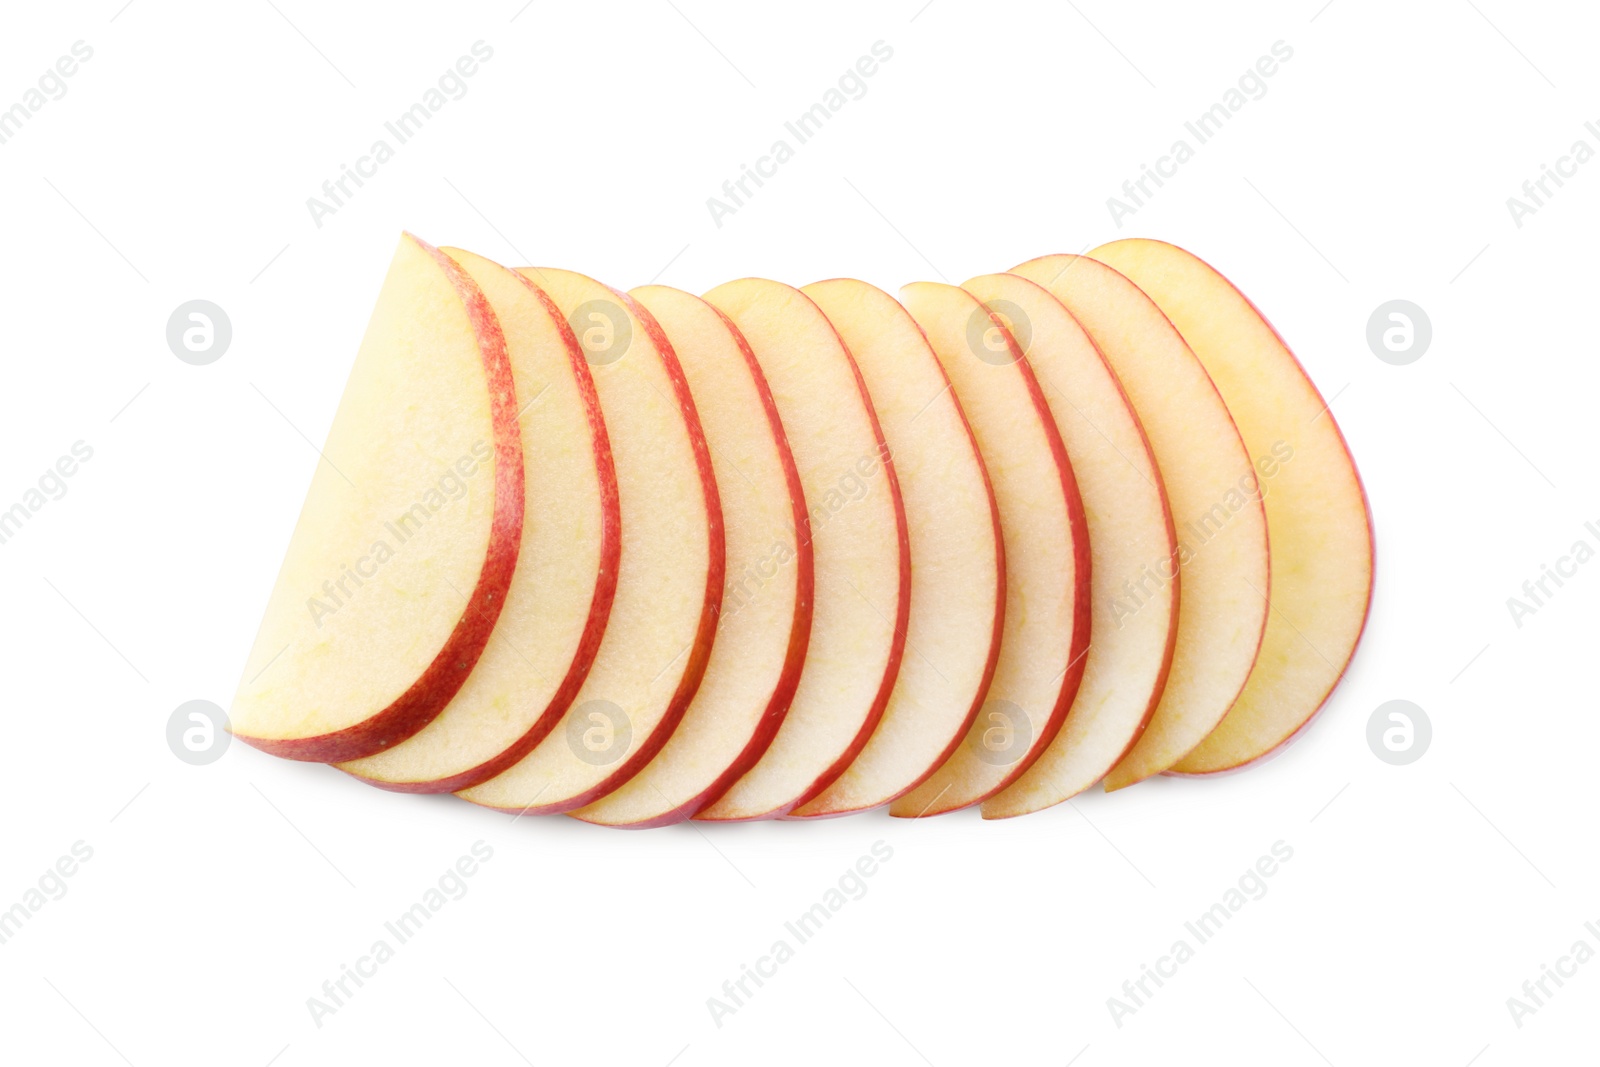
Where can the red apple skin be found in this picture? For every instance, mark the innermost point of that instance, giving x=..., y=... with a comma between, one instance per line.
x=1175, y=585
x=599, y=606
x=972, y=712
x=1174, y=596
x=902, y=611
x=1174, y=592
x=994, y=633
x=429, y=694
x=1082, y=616
x=799, y=632
x=1155, y=697
x=1372, y=549
x=901, y=617
x=695, y=665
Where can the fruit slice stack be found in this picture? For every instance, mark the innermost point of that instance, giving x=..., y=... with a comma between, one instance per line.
x=797, y=553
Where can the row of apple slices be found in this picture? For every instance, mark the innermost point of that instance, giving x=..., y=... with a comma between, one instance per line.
x=798, y=553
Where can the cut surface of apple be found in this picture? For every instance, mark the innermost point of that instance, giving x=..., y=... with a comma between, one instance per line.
x=408, y=538
x=1046, y=627
x=859, y=549
x=1130, y=531
x=1215, y=497
x=669, y=578
x=1317, y=519
x=958, y=565
x=765, y=620
x=560, y=596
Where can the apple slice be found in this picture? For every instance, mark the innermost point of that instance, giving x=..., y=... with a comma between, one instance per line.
x=560, y=595
x=958, y=561
x=409, y=535
x=1317, y=516
x=1130, y=532
x=858, y=542
x=765, y=619
x=1046, y=629
x=1215, y=497
x=669, y=580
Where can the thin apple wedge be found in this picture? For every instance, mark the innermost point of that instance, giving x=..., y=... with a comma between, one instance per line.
x=406, y=545
x=1045, y=635
x=858, y=541
x=1130, y=529
x=765, y=621
x=958, y=558
x=1319, y=526
x=1216, y=502
x=670, y=575
x=560, y=596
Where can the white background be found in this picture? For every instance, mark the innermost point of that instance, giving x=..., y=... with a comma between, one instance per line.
x=219, y=898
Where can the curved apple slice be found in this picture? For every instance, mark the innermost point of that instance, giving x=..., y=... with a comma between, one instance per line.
x=409, y=535
x=669, y=580
x=1317, y=516
x=1215, y=497
x=1134, y=615
x=765, y=619
x=1046, y=629
x=958, y=560
x=560, y=595
x=858, y=541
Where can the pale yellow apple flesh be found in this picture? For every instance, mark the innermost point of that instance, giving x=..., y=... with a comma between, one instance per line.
x=1046, y=629
x=1213, y=490
x=560, y=595
x=409, y=535
x=1317, y=518
x=1130, y=529
x=765, y=619
x=669, y=580
x=858, y=539
x=958, y=567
